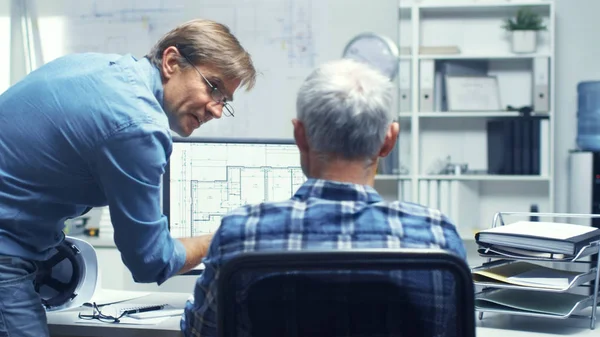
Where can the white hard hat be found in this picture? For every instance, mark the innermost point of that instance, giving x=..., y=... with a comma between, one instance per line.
x=69, y=277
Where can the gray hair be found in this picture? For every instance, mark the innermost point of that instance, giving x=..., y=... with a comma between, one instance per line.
x=208, y=43
x=345, y=107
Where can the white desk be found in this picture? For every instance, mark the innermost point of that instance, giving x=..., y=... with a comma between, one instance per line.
x=62, y=324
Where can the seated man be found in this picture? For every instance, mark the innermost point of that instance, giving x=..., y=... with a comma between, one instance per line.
x=344, y=124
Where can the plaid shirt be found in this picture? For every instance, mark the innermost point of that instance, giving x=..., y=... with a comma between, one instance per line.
x=321, y=215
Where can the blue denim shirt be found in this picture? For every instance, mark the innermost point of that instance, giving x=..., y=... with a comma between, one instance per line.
x=87, y=130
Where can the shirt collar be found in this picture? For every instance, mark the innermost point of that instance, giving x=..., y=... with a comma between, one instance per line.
x=337, y=191
x=152, y=78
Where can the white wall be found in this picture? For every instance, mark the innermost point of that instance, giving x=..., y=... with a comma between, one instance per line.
x=4, y=41
x=577, y=59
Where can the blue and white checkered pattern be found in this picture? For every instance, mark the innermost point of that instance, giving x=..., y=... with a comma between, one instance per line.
x=321, y=215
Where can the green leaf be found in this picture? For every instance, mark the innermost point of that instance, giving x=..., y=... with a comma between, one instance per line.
x=524, y=20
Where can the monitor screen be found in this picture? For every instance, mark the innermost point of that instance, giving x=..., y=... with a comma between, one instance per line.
x=207, y=178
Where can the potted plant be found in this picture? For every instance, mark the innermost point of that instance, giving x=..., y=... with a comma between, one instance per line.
x=523, y=29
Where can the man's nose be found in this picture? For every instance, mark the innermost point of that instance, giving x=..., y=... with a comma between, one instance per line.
x=215, y=109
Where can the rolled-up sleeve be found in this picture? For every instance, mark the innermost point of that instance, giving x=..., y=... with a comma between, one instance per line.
x=129, y=166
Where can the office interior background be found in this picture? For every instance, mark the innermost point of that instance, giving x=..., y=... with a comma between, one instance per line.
x=443, y=154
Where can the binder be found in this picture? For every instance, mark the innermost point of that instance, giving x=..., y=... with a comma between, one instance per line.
x=518, y=146
x=439, y=99
x=404, y=76
x=544, y=147
x=549, y=237
x=500, y=146
x=535, y=146
x=527, y=143
x=541, y=71
x=426, y=85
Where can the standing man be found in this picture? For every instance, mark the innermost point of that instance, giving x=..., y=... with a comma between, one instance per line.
x=89, y=130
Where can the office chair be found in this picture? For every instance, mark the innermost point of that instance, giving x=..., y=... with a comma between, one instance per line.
x=350, y=293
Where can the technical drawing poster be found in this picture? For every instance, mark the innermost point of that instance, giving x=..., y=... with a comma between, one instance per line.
x=286, y=38
x=283, y=27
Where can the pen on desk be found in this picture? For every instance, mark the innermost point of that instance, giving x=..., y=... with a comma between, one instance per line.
x=144, y=309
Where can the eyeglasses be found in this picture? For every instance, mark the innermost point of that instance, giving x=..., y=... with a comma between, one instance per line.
x=215, y=93
x=97, y=314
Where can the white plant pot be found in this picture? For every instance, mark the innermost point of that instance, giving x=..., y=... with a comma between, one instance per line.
x=524, y=41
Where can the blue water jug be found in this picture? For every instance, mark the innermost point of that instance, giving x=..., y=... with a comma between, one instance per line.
x=588, y=115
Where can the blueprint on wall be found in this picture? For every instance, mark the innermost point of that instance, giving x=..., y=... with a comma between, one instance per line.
x=283, y=28
x=286, y=38
x=209, y=180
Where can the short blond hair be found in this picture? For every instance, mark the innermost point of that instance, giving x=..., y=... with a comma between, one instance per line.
x=207, y=42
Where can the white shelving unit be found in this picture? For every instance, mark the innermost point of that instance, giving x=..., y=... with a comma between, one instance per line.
x=475, y=28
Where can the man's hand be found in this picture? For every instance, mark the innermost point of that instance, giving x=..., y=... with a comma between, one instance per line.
x=196, y=248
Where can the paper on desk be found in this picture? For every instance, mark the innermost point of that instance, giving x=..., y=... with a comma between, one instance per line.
x=526, y=274
x=545, y=278
x=109, y=296
x=557, y=304
x=167, y=310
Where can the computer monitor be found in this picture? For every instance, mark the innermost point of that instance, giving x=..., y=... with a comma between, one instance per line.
x=207, y=178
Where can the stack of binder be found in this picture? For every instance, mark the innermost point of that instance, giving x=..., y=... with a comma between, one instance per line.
x=518, y=146
x=514, y=280
x=538, y=239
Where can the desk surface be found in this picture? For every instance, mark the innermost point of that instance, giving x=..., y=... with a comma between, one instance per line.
x=66, y=323
x=63, y=324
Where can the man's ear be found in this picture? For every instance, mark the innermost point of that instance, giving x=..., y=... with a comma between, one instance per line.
x=300, y=135
x=170, y=62
x=390, y=139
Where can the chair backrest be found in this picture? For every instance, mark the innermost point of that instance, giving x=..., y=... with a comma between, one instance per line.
x=350, y=293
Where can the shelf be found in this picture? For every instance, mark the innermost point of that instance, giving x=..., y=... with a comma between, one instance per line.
x=494, y=253
x=577, y=281
x=390, y=177
x=484, y=177
x=477, y=114
x=441, y=4
x=482, y=306
x=428, y=136
x=483, y=56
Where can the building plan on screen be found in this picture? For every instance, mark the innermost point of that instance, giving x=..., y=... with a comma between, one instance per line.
x=207, y=180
